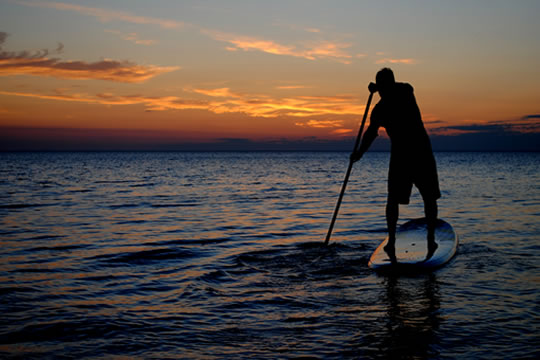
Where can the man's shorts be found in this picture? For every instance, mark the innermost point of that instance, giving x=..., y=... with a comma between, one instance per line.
x=403, y=174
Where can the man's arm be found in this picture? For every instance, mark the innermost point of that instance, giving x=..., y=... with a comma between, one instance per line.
x=372, y=131
x=368, y=138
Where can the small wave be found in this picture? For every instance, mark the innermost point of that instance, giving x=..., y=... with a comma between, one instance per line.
x=48, y=184
x=473, y=249
x=123, y=206
x=9, y=290
x=73, y=330
x=299, y=227
x=143, y=185
x=303, y=319
x=374, y=231
x=35, y=270
x=100, y=278
x=21, y=206
x=112, y=181
x=319, y=245
x=191, y=242
x=276, y=235
x=216, y=276
x=76, y=191
x=313, y=260
x=45, y=237
x=174, y=205
x=57, y=248
x=354, y=267
x=130, y=222
x=275, y=300
x=147, y=256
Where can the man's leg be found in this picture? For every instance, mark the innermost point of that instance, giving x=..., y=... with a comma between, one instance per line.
x=430, y=209
x=392, y=214
x=431, y=212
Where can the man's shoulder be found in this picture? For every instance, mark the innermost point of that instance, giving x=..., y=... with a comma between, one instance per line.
x=406, y=87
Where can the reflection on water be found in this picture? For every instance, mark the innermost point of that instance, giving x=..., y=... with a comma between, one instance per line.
x=217, y=256
x=412, y=317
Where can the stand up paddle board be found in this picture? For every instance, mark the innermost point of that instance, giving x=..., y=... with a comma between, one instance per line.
x=412, y=247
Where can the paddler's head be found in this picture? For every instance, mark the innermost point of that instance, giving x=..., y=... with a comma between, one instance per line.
x=385, y=81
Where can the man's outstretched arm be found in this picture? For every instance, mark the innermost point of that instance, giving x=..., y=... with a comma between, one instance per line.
x=370, y=134
x=368, y=138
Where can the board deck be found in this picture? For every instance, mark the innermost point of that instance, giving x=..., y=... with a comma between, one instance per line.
x=411, y=247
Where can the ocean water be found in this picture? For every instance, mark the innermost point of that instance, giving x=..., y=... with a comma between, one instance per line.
x=220, y=256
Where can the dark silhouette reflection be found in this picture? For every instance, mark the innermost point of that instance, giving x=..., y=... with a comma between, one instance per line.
x=412, y=317
x=411, y=159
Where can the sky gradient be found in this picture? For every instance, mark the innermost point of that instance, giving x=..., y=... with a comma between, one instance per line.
x=262, y=75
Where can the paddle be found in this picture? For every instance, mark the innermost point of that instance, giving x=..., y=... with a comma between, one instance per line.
x=356, y=144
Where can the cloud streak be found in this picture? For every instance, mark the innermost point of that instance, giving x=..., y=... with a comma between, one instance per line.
x=221, y=101
x=523, y=125
x=533, y=116
x=408, y=61
x=321, y=123
x=39, y=64
x=133, y=37
x=152, y=103
x=111, y=70
x=266, y=106
x=310, y=51
x=106, y=15
x=220, y=92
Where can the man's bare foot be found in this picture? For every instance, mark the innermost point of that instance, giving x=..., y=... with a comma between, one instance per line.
x=432, y=246
x=390, y=250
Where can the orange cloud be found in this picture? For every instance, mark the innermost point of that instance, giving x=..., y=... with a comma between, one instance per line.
x=266, y=106
x=111, y=70
x=152, y=103
x=105, y=15
x=312, y=51
x=250, y=43
x=329, y=50
x=396, y=61
x=221, y=92
x=223, y=101
x=27, y=63
x=321, y=123
x=133, y=37
x=57, y=96
x=294, y=107
x=342, y=131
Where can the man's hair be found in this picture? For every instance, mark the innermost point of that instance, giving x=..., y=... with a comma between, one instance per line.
x=385, y=76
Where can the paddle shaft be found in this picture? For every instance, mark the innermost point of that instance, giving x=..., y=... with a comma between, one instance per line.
x=344, y=186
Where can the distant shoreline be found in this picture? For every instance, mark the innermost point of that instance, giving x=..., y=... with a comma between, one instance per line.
x=247, y=151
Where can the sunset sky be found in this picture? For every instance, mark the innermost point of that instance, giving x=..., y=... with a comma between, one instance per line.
x=241, y=75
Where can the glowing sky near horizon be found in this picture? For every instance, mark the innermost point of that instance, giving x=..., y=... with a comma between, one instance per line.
x=205, y=70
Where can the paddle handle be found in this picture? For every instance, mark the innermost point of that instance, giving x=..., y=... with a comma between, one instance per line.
x=349, y=169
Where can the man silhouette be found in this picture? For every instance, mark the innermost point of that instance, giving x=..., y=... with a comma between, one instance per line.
x=411, y=158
